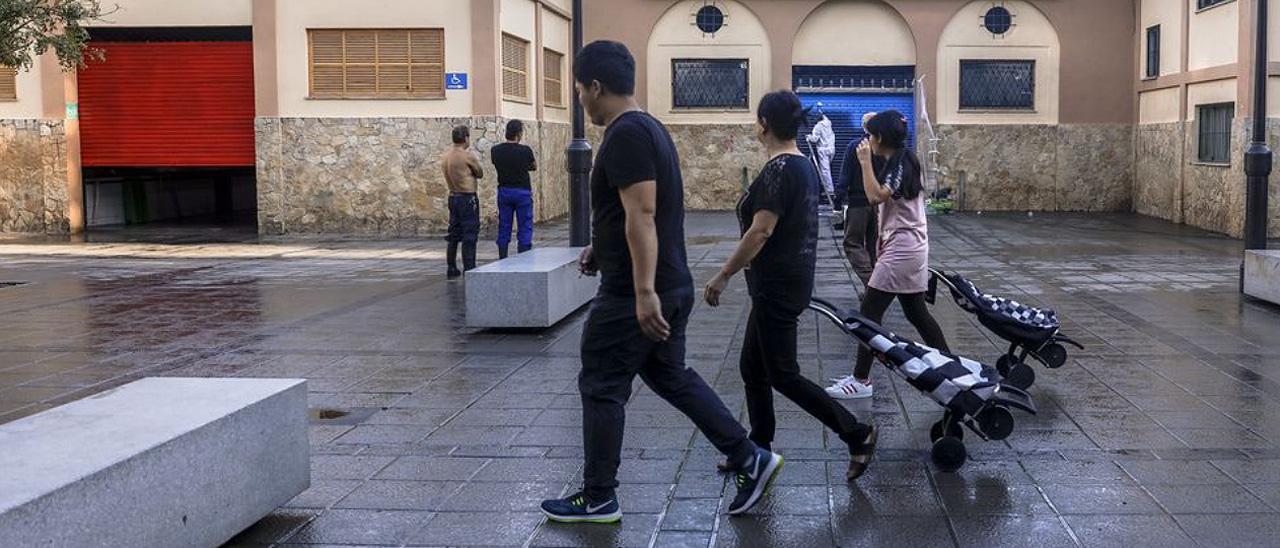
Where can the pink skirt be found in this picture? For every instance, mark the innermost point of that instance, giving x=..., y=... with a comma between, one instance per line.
x=903, y=264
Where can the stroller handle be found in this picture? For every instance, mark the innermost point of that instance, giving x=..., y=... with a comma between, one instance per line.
x=826, y=308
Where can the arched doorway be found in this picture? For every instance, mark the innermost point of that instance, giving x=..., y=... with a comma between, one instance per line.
x=853, y=57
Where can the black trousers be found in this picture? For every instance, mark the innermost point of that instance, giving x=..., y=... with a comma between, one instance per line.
x=464, y=218
x=916, y=310
x=769, y=363
x=614, y=351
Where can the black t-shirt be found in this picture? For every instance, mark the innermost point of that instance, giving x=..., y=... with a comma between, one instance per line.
x=784, y=268
x=636, y=147
x=851, y=175
x=513, y=161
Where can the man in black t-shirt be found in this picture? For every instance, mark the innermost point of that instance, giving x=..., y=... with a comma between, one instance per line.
x=514, y=161
x=636, y=325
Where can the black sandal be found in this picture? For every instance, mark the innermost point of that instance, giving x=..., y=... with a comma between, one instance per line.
x=860, y=456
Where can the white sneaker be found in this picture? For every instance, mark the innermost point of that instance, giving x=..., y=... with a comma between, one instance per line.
x=848, y=388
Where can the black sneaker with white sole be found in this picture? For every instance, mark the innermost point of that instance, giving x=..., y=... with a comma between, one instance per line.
x=577, y=508
x=754, y=480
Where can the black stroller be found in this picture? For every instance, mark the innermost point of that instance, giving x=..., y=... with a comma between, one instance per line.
x=1030, y=331
x=971, y=393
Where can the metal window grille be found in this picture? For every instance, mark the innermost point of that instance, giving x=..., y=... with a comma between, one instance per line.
x=1153, y=51
x=709, y=19
x=808, y=78
x=552, y=77
x=1202, y=4
x=709, y=83
x=1214, y=144
x=1005, y=85
x=998, y=20
x=376, y=63
x=515, y=68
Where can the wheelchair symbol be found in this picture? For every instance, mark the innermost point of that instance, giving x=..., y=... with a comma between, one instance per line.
x=455, y=80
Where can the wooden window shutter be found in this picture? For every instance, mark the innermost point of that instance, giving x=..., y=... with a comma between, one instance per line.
x=552, y=78
x=377, y=63
x=515, y=68
x=8, y=83
x=426, y=57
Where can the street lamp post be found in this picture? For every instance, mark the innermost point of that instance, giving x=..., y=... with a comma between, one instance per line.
x=578, y=157
x=1257, y=160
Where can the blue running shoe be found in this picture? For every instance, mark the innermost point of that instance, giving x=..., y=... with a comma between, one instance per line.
x=754, y=480
x=577, y=508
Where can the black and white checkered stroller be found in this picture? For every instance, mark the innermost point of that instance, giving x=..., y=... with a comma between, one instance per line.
x=1030, y=331
x=972, y=393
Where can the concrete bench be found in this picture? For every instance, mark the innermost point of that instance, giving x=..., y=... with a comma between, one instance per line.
x=1262, y=275
x=159, y=462
x=534, y=289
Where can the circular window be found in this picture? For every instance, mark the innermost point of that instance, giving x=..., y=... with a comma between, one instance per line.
x=710, y=19
x=998, y=20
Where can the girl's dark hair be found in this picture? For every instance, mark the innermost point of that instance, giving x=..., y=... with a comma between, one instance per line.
x=781, y=113
x=890, y=127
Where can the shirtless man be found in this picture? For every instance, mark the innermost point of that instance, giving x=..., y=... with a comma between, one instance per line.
x=462, y=172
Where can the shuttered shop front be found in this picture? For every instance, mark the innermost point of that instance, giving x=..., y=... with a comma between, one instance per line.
x=168, y=104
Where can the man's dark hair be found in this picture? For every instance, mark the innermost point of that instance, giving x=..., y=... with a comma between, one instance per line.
x=609, y=63
x=461, y=134
x=515, y=128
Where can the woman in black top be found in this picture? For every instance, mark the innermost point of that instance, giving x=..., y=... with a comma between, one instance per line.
x=778, y=217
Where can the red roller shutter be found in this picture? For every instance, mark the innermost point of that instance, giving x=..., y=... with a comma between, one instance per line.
x=168, y=104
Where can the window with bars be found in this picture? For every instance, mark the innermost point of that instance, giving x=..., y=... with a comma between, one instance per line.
x=1153, y=51
x=376, y=63
x=710, y=83
x=8, y=83
x=515, y=68
x=552, y=78
x=1204, y=4
x=998, y=85
x=1214, y=143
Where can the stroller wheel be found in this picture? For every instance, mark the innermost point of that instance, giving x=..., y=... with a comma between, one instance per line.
x=1021, y=376
x=954, y=430
x=949, y=454
x=1053, y=355
x=1003, y=364
x=996, y=422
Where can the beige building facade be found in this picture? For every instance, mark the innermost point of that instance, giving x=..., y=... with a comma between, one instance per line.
x=1049, y=105
x=1194, y=97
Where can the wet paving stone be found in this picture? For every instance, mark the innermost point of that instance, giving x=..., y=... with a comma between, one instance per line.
x=1163, y=431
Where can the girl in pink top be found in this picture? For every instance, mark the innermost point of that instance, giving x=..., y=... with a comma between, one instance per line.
x=902, y=263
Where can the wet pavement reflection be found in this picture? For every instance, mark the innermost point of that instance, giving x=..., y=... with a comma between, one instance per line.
x=1164, y=430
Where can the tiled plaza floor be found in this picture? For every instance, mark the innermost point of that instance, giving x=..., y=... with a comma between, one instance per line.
x=1164, y=431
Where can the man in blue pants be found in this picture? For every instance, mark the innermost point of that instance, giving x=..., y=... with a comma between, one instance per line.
x=513, y=162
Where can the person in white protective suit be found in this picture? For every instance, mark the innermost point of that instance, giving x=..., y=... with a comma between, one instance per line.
x=823, y=142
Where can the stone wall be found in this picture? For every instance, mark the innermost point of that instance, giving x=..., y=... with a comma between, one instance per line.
x=382, y=176
x=33, y=177
x=1172, y=185
x=1068, y=167
x=1213, y=195
x=1157, y=184
x=713, y=158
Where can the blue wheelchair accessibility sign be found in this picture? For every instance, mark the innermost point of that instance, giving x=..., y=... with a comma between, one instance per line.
x=455, y=80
